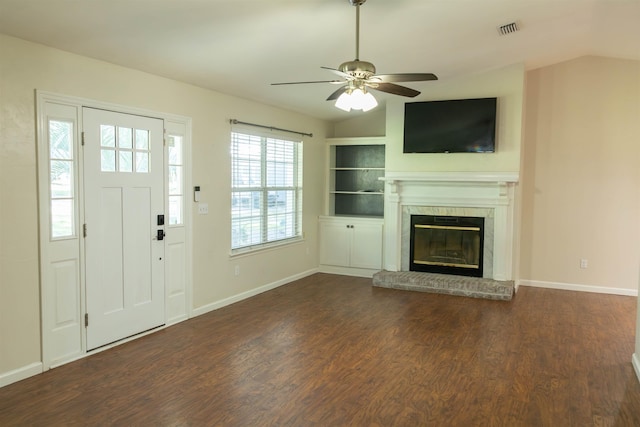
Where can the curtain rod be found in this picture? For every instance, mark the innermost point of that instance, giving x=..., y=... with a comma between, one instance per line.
x=237, y=122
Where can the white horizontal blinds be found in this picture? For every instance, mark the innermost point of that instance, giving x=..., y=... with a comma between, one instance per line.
x=246, y=194
x=266, y=189
x=61, y=179
x=281, y=161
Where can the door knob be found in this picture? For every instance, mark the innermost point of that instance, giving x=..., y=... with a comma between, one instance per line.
x=160, y=235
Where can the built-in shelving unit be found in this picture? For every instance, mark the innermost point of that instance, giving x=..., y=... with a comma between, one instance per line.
x=351, y=233
x=355, y=166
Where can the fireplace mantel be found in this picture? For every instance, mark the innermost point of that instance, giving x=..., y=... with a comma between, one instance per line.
x=452, y=176
x=491, y=192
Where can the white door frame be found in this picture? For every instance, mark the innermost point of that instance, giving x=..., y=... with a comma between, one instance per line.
x=62, y=275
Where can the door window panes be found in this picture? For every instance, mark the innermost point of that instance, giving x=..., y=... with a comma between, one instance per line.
x=142, y=162
x=125, y=161
x=107, y=136
x=125, y=138
x=142, y=139
x=108, y=160
x=124, y=149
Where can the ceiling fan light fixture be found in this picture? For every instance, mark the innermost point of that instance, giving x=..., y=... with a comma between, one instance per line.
x=344, y=101
x=366, y=100
x=356, y=99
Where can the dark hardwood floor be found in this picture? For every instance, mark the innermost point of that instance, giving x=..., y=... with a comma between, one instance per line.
x=333, y=351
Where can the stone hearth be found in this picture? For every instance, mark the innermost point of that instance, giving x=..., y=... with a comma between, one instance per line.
x=445, y=284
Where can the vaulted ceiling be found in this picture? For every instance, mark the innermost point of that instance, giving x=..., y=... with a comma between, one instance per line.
x=239, y=47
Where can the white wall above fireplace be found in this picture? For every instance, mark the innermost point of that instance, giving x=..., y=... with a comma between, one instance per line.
x=491, y=193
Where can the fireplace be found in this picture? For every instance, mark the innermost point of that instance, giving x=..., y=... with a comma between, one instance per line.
x=447, y=244
x=486, y=195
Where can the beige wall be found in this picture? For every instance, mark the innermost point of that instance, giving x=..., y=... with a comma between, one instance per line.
x=25, y=67
x=581, y=174
x=507, y=84
x=371, y=123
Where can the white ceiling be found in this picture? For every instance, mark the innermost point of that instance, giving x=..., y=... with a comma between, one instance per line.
x=239, y=47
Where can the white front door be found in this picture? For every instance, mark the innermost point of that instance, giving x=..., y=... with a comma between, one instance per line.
x=124, y=211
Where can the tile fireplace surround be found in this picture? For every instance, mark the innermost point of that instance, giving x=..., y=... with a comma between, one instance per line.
x=480, y=194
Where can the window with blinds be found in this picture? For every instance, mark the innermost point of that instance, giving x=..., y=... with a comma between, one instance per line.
x=266, y=190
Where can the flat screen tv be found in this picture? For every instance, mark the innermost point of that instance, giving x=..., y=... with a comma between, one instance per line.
x=454, y=126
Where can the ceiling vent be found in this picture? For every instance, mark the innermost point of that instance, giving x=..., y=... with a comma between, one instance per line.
x=512, y=27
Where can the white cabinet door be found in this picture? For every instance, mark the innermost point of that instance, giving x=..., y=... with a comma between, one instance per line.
x=335, y=242
x=366, y=245
x=351, y=242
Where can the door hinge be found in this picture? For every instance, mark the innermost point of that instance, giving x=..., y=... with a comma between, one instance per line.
x=84, y=230
x=164, y=137
x=86, y=320
x=82, y=138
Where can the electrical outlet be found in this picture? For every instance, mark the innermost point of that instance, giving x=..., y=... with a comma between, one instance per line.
x=584, y=263
x=203, y=208
x=236, y=270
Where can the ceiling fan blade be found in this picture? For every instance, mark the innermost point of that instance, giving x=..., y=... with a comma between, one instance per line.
x=304, y=83
x=404, y=77
x=338, y=72
x=394, y=89
x=337, y=93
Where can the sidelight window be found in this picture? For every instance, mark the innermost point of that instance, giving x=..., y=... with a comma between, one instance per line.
x=61, y=179
x=176, y=179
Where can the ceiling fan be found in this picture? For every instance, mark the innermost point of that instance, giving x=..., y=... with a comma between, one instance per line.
x=359, y=76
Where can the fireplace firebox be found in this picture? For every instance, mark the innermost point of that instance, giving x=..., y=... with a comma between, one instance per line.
x=447, y=244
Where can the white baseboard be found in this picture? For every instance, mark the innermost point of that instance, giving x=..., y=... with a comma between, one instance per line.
x=248, y=294
x=516, y=285
x=635, y=360
x=579, y=288
x=348, y=271
x=20, y=374
x=177, y=319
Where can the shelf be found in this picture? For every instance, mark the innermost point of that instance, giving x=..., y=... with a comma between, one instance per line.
x=359, y=204
x=357, y=192
x=374, y=218
x=356, y=169
x=357, y=140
